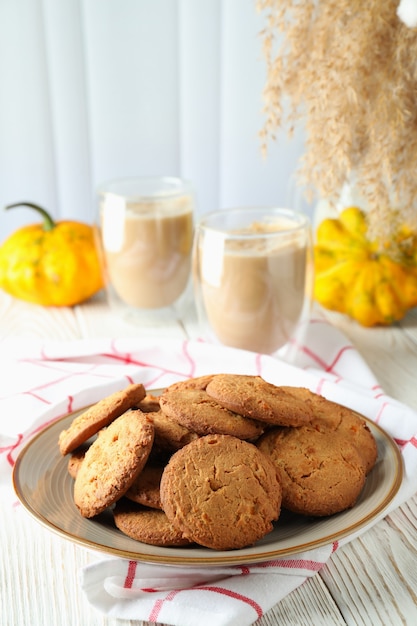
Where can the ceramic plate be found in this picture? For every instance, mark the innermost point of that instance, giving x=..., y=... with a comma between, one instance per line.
x=45, y=489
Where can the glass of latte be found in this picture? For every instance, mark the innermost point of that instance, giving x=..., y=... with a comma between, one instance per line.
x=145, y=229
x=253, y=278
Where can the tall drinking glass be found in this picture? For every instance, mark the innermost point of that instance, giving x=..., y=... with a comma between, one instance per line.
x=252, y=274
x=146, y=231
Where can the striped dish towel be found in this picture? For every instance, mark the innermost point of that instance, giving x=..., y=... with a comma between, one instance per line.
x=225, y=596
x=43, y=380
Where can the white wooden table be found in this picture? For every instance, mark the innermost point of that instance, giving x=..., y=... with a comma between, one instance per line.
x=38, y=570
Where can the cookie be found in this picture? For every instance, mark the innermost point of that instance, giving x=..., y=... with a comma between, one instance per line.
x=320, y=474
x=255, y=398
x=75, y=460
x=332, y=417
x=196, y=410
x=146, y=525
x=145, y=489
x=149, y=404
x=199, y=382
x=77, y=457
x=99, y=415
x=169, y=435
x=113, y=462
x=221, y=492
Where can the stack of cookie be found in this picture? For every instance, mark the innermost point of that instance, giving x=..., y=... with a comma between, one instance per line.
x=213, y=459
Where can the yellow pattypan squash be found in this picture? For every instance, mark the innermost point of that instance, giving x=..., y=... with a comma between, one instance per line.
x=51, y=263
x=354, y=277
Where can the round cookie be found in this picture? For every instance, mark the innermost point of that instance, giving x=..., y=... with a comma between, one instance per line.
x=145, y=489
x=169, y=435
x=196, y=410
x=320, y=474
x=255, y=398
x=112, y=463
x=221, y=492
x=99, y=415
x=332, y=417
x=198, y=382
x=146, y=525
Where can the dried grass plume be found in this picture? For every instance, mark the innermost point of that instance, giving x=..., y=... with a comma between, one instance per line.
x=347, y=69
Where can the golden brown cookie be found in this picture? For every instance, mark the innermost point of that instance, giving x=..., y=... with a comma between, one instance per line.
x=145, y=489
x=75, y=460
x=221, y=492
x=199, y=382
x=99, y=415
x=332, y=417
x=197, y=411
x=321, y=473
x=77, y=456
x=255, y=398
x=169, y=435
x=112, y=462
x=149, y=404
x=146, y=525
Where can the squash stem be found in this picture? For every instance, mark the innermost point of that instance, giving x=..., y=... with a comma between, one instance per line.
x=48, y=222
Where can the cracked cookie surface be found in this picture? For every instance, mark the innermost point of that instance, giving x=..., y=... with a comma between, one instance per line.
x=333, y=418
x=255, y=398
x=99, y=415
x=321, y=473
x=113, y=462
x=196, y=410
x=169, y=434
x=221, y=492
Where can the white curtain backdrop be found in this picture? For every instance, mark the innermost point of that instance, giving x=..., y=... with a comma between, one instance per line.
x=92, y=90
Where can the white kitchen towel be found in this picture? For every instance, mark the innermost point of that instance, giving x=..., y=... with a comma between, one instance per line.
x=43, y=380
x=223, y=596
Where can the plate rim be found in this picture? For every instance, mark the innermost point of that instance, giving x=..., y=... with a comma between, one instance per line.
x=213, y=558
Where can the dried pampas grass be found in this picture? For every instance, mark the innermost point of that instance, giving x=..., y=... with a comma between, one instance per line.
x=348, y=70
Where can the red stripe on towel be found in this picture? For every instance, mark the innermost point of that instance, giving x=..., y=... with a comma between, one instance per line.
x=153, y=616
x=236, y=596
x=130, y=576
x=312, y=566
